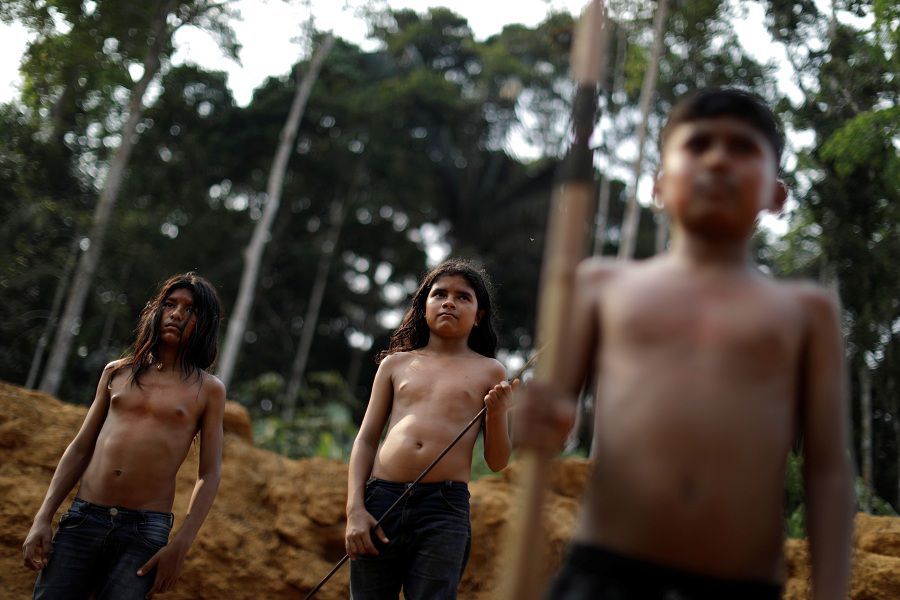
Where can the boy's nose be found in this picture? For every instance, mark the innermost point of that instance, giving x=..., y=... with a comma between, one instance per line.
x=716, y=155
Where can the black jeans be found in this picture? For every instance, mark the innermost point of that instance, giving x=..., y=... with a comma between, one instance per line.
x=98, y=550
x=594, y=573
x=429, y=537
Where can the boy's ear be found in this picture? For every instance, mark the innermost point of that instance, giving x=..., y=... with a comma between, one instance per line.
x=657, y=185
x=779, y=196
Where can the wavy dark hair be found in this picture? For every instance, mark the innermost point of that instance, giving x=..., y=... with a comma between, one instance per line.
x=202, y=345
x=413, y=331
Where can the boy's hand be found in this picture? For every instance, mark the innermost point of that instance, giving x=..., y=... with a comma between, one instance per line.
x=357, y=540
x=542, y=419
x=499, y=399
x=37, y=547
x=168, y=561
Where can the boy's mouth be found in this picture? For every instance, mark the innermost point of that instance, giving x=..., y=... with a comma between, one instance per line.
x=715, y=184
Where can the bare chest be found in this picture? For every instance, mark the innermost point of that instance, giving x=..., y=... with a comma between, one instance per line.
x=448, y=388
x=756, y=329
x=172, y=404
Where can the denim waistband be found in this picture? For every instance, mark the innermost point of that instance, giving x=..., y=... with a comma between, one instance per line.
x=432, y=485
x=602, y=561
x=120, y=512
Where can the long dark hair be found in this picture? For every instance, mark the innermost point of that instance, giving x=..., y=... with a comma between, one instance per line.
x=413, y=331
x=201, y=348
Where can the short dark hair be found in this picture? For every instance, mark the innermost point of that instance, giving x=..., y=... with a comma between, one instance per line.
x=201, y=348
x=413, y=331
x=727, y=102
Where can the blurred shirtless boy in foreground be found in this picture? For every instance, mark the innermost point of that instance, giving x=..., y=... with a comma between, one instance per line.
x=707, y=372
x=114, y=540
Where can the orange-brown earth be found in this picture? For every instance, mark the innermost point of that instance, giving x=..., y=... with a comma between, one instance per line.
x=277, y=524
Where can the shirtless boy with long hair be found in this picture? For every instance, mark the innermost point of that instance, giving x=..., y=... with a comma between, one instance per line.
x=437, y=374
x=708, y=370
x=114, y=540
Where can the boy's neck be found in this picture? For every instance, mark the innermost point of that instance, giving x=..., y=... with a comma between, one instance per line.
x=167, y=356
x=696, y=251
x=443, y=345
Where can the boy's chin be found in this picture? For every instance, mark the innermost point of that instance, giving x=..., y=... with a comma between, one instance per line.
x=717, y=227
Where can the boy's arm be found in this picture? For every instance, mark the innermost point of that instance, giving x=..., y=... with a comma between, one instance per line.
x=546, y=410
x=71, y=467
x=827, y=470
x=170, y=558
x=497, y=445
x=362, y=457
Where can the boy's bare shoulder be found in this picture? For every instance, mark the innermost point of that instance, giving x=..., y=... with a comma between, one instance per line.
x=396, y=360
x=215, y=389
x=112, y=368
x=819, y=306
x=598, y=269
x=492, y=367
x=819, y=303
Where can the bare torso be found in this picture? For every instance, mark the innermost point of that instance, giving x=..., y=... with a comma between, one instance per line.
x=434, y=398
x=145, y=437
x=696, y=412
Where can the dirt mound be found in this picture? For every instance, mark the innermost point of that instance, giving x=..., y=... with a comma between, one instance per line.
x=277, y=524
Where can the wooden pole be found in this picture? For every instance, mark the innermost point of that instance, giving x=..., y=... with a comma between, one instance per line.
x=568, y=228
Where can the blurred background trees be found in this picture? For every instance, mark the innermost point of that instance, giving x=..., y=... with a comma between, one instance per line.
x=432, y=142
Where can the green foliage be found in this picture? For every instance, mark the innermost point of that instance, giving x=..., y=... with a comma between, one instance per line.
x=865, y=143
x=795, y=499
x=323, y=425
x=846, y=229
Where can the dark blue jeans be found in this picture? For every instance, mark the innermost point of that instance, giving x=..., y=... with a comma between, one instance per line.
x=98, y=550
x=595, y=573
x=429, y=539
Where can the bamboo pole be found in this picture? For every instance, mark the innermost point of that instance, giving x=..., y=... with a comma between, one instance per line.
x=565, y=247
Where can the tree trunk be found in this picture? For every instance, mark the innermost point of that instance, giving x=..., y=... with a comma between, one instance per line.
x=261, y=233
x=602, y=221
x=630, y=223
x=865, y=433
x=313, y=307
x=90, y=259
x=111, y=313
x=55, y=306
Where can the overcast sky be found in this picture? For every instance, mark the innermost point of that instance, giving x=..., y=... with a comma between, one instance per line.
x=269, y=30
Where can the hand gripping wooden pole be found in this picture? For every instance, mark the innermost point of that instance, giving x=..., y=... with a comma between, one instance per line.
x=570, y=210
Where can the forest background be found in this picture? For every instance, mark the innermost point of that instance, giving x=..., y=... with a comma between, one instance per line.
x=119, y=167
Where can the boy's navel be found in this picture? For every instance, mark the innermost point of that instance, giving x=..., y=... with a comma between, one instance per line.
x=688, y=489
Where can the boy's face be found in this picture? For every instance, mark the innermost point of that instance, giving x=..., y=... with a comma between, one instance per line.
x=451, y=308
x=717, y=175
x=177, y=322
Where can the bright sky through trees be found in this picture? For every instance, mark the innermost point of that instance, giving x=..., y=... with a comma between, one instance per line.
x=270, y=32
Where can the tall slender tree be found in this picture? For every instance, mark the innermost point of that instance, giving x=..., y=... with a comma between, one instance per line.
x=261, y=233
x=628, y=241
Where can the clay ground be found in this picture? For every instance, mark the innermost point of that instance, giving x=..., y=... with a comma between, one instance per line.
x=277, y=524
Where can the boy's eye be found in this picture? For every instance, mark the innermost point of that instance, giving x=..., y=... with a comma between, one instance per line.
x=698, y=143
x=743, y=146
